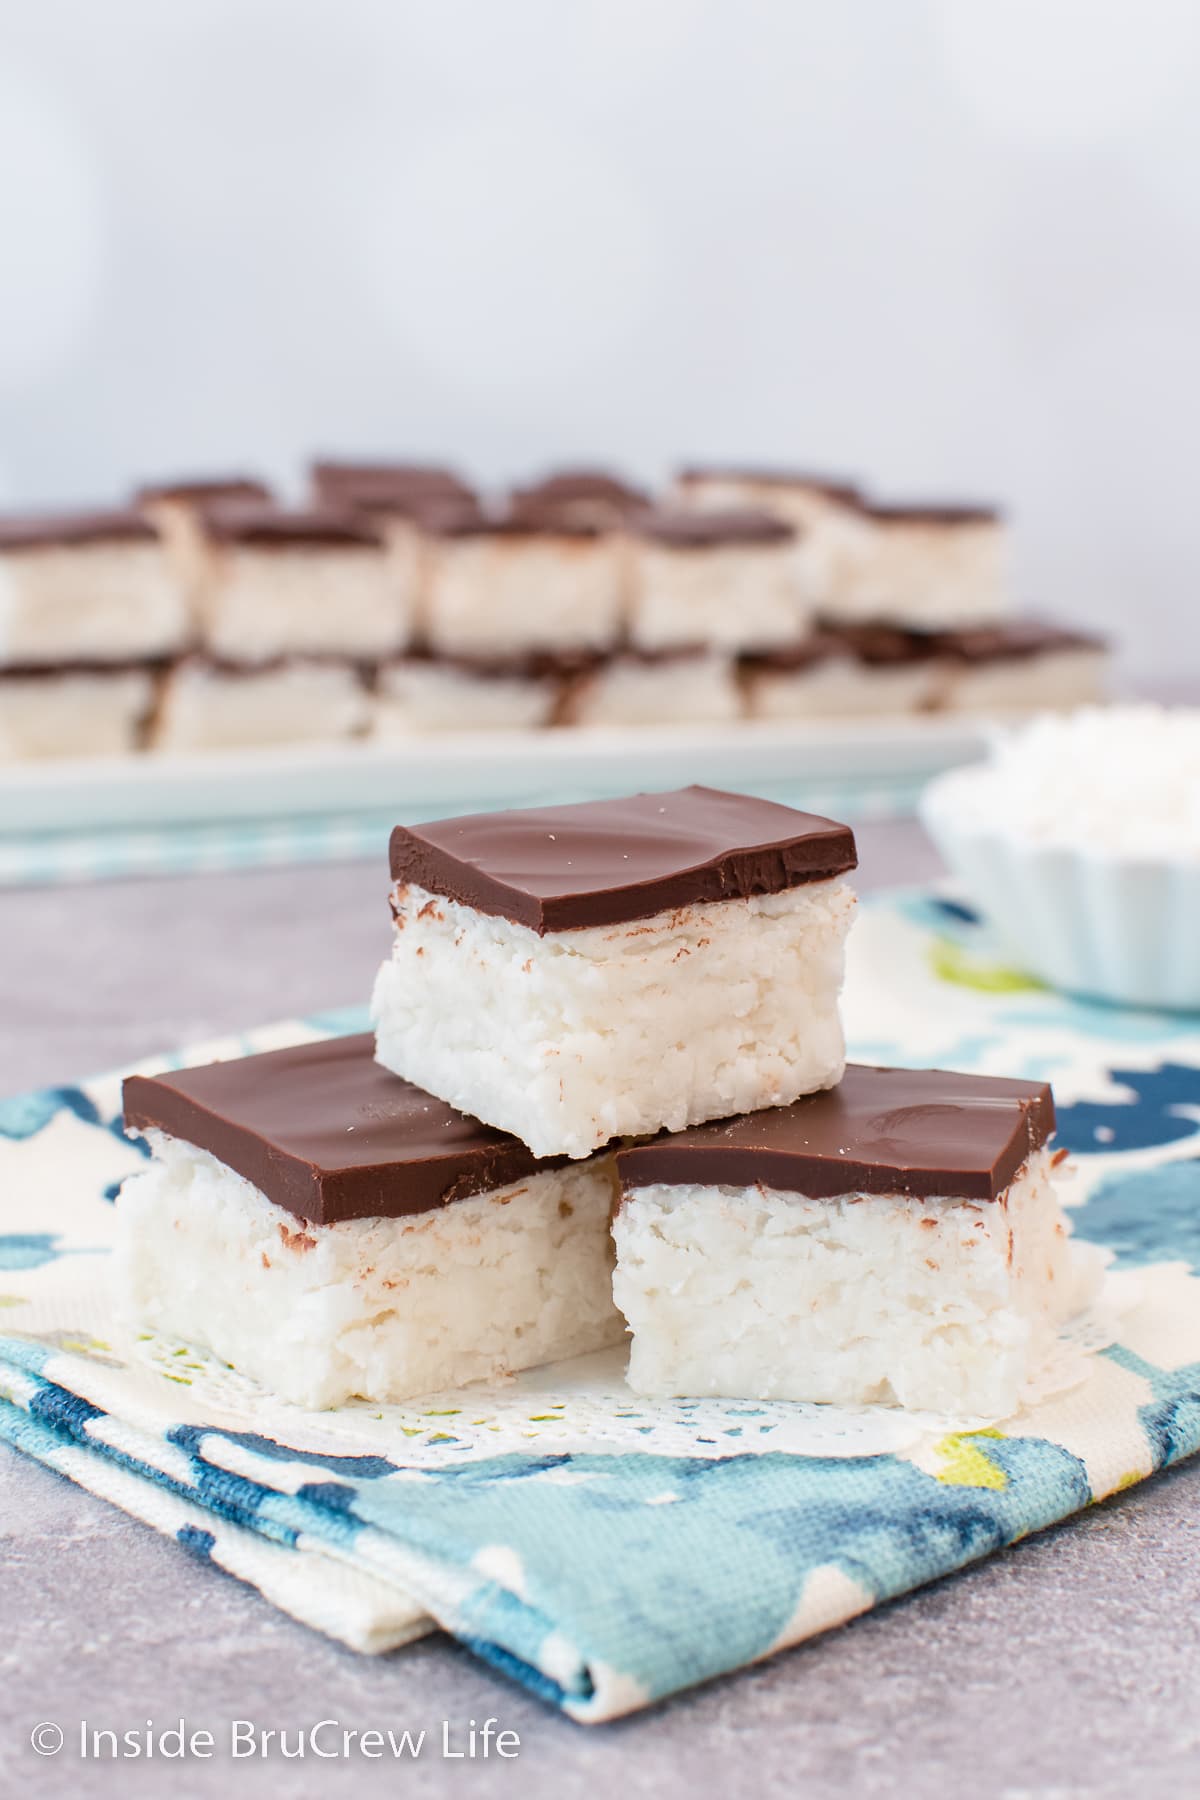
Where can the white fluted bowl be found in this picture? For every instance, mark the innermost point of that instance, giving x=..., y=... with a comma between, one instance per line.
x=1103, y=923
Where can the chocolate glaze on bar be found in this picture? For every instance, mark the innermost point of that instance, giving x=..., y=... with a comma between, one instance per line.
x=582, y=489
x=76, y=666
x=1013, y=642
x=272, y=527
x=50, y=531
x=562, y=868
x=886, y=645
x=832, y=487
x=531, y=665
x=520, y=520
x=923, y=1132
x=206, y=491
x=327, y=1134
x=804, y=653
x=386, y=487
x=712, y=528
x=947, y=513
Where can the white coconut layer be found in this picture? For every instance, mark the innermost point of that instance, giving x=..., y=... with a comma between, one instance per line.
x=675, y=691
x=577, y=1037
x=730, y=596
x=924, y=574
x=380, y=1308
x=336, y=600
x=208, y=708
x=99, y=602
x=77, y=713
x=942, y=1305
x=430, y=696
x=840, y=687
x=503, y=596
x=1056, y=680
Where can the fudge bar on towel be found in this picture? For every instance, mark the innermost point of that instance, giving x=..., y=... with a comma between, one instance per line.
x=331, y=1231
x=577, y=973
x=895, y=1240
x=87, y=588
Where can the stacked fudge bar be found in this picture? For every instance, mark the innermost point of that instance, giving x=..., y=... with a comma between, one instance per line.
x=625, y=1010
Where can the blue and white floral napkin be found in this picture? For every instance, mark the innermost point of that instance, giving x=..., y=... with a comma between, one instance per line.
x=603, y=1550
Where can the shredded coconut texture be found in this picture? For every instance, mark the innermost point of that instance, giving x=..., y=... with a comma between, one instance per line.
x=1118, y=779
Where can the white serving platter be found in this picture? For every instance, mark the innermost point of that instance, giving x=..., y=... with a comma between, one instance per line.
x=474, y=769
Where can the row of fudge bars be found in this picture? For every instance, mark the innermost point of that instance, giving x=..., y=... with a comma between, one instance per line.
x=606, y=1093
x=398, y=602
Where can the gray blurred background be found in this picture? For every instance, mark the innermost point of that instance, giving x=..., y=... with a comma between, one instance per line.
x=949, y=246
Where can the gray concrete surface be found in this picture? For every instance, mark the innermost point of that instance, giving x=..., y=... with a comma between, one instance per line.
x=1068, y=1669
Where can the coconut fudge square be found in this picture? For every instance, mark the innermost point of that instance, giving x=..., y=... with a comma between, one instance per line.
x=89, y=588
x=74, y=710
x=825, y=510
x=537, y=578
x=1027, y=665
x=206, y=704
x=729, y=578
x=687, y=686
x=925, y=568
x=577, y=973
x=423, y=692
x=897, y=1240
x=305, y=583
x=331, y=1231
x=860, y=671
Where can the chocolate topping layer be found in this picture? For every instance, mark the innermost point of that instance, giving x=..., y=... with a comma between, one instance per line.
x=924, y=1132
x=713, y=528
x=583, y=487
x=833, y=487
x=532, y=665
x=946, y=514
x=405, y=488
x=561, y=868
x=204, y=492
x=522, y=519
x=327, y=1134
x=364, y=481
x=886, y=645
x=49, y=531
x=269, y=527
x=1012, y=642
x=805, y=653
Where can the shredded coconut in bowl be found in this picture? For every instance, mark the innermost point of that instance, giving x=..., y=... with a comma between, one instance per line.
x=1122, y=779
